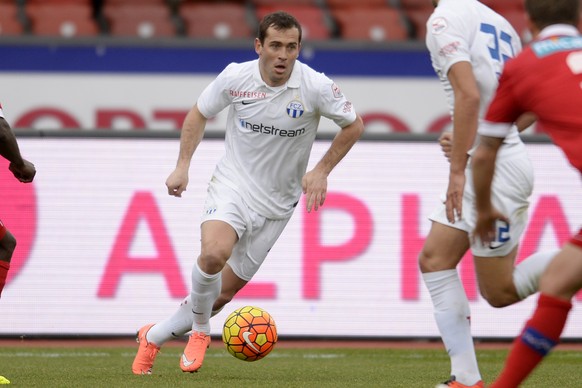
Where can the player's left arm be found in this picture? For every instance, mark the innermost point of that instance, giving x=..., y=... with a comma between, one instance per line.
x=465, y=121
x=315, y=181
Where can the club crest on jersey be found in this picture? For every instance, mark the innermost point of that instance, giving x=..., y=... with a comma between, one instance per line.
x=295, y=109
x=438, y=25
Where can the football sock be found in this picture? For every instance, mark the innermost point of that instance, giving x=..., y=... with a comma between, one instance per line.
x=205, y=290
x=453, y=318
x=526, y=275
x=4, y=267
x=175, y=326
x=541, y=333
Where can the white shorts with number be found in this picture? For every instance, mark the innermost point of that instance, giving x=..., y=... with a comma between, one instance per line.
x=512, y=186
x=256, y=234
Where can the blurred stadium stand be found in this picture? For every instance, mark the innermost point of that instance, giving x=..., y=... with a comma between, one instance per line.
x=417, y=12
x=10, y=19
x=143, y=19
x=61, y=18
x=370, y=22
x=216, y=20
x=323, y=20
x=316, y=22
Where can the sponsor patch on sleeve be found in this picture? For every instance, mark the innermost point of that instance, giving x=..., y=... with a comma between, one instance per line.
x=347, y=107
x=438, y=25
x=337, y=93
x=450, y=49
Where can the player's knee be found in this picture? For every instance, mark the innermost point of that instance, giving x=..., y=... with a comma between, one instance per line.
x=213, y=260
x=496, y=302
x=500, y=297
x=424, y=261
x=428, y=262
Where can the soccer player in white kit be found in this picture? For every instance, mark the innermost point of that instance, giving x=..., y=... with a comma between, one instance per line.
x=275, y=104
x=468, y=44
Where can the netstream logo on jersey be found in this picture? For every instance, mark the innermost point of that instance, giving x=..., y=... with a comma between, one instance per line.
x=271, y=129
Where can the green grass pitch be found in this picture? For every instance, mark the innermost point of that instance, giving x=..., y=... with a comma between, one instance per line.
x=284, y=367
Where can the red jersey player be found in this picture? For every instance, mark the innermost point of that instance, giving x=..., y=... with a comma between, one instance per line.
x=24, y=171
x=545, y=79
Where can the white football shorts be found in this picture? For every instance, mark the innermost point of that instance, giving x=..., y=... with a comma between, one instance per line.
x=256, y=234
x=511, y=188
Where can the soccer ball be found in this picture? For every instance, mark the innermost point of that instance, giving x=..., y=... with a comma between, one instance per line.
x=249, y=333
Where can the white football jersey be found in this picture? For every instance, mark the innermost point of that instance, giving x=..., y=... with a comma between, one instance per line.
x=270, y=131
x=467, y=30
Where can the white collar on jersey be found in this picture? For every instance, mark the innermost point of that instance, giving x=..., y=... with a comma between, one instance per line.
x=558, y=29
x=294, y=79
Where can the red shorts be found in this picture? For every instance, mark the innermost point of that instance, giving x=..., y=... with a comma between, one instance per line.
x=577, y=239
x=2, y=230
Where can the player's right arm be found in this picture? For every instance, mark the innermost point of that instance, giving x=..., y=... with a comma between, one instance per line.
x=525, y=121
x=190, y=137
x=22, y=169
x=8, y=145
x=465, y=121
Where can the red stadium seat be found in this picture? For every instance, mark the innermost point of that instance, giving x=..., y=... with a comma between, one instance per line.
x=132, y=2
x=181, y=2
x=418, y=18
x=9, y=23
x=314, y=23
x=139, y=20
x=59, y=2
x=279, y=3
x=216, y=20
x=334, y=4
x=371, y=24
x=517, y=18
x=410, y=4
x=62, y=19
x=501, y=5
x=417, y=13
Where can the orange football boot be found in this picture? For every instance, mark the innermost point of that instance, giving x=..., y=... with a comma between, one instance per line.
x=146, y=353
x=193, y=355
x=452, y=382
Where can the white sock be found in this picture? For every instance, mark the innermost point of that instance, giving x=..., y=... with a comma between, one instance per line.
x=175, y=326
x=205, y=290
x=526, y=275
x=453, y=318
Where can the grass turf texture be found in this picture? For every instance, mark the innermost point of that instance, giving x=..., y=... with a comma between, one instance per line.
x=284, y=367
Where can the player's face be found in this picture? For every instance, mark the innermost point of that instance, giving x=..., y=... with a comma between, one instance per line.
x=277, y=55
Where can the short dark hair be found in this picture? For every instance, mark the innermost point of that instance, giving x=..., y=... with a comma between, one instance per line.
x=280, y=21
x=547, y=12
